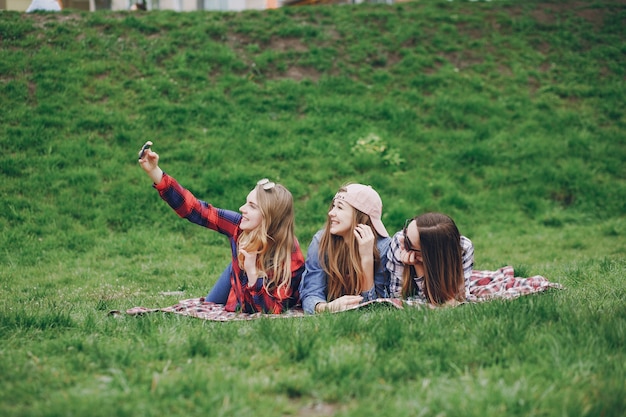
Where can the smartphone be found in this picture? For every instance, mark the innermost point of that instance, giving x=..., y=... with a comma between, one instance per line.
x=144, y=148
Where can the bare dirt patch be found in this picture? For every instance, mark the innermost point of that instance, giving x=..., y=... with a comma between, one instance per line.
x=287, y=44
x=298, y=73
x=549, y=13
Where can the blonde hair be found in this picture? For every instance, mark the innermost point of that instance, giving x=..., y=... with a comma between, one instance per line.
x=274, y=238
x=340, y=259
x=442, y=257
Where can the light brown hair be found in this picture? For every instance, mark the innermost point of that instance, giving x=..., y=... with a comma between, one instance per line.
x=340, y=259
x=274, y=239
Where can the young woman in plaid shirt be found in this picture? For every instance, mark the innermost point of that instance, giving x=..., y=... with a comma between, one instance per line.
x=267, y=262
x=429, y=261
x=346, y=259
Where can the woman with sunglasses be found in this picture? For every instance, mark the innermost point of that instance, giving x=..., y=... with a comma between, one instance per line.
x=346, y=259
x=429, y=261
x=267, y=262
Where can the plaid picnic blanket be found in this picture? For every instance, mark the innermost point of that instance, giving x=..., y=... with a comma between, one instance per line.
x=484, y=286
x=487, y=285
x=197, y=307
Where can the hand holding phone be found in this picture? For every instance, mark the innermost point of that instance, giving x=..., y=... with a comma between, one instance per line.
x=144, y=148
x=150, y=163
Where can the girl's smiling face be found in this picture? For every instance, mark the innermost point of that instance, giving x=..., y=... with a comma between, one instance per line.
x=251, y=212
x=340, y=218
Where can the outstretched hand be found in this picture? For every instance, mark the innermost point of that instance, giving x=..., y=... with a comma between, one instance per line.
x=149, y=161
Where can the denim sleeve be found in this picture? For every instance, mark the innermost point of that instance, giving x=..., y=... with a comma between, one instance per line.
x=381, y=276
x=314, y=280
x=370, y=294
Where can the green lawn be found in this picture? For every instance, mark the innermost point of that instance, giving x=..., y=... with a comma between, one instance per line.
x=508, y=116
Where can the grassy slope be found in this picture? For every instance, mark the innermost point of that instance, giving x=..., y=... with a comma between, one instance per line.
x=510, y=117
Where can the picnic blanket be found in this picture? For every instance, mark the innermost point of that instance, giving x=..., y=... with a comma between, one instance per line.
x=484, y=286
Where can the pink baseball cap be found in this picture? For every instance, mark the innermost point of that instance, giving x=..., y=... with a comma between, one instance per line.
x=364, y=198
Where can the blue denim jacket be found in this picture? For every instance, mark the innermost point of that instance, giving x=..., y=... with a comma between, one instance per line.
x=314, y=280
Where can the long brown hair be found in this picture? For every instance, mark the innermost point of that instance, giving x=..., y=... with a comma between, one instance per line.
x=442, y=258
x=274, y=239
x=340, y=259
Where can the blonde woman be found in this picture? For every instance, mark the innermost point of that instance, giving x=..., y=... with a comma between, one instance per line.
x=267, y=262
x=345, y=263
x=430, y=262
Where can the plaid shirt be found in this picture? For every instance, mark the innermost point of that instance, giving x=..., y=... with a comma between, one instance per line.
x=242, y=297
x=396, y=268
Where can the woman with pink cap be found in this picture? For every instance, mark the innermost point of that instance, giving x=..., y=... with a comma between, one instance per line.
x=346, y=260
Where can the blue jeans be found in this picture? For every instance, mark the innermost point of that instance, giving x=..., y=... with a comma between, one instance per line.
x=221, y=289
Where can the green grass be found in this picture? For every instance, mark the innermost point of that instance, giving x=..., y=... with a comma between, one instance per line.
x=509, y=116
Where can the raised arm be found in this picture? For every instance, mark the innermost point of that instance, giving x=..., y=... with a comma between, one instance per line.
x=149, y=161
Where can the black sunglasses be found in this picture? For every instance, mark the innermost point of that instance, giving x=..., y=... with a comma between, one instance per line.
x=407, y=242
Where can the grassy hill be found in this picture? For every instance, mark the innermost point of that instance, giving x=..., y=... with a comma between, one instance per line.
x=509, y=116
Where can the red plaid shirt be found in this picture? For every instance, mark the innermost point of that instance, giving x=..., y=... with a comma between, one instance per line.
x=242, y=297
